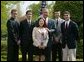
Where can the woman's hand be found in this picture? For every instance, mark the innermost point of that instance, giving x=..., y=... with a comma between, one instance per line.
x=40, y=47
x=44, y=47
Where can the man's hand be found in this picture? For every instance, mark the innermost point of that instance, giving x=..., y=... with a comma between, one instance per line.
x=18, y=42
x=47, y=29
x=39, y=46
x=44, y=47
x=56, y=39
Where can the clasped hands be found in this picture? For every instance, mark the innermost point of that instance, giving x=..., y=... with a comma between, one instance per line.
x=41, y=47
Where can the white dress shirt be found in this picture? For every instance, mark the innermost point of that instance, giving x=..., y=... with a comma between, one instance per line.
x=29, y=21
x=67, y=22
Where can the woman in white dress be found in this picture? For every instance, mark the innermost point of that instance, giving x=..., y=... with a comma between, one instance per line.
x=40, y=37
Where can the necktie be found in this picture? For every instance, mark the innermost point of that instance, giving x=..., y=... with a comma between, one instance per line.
x=66, y=26
x=45, y=23
x=29, y=22
x=57, y=22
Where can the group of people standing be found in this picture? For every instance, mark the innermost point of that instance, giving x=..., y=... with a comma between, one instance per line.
x=45, y=36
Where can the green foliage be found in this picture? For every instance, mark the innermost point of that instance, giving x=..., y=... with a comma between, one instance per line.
x=4, y=51
x=80, y=49
x=5, y=8
x=35, y=9
x=76, y=10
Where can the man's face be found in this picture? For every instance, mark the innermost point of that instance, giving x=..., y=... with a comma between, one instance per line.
x=57, y=14
x=29, y=15
x=45, y=13
x=14, y=14
x=66, y=17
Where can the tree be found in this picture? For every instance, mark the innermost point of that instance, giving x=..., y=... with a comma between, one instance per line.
x=76, y=10
x=36, y=10
x=6, y=6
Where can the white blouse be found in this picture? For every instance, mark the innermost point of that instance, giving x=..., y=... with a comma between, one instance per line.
x=40, y=35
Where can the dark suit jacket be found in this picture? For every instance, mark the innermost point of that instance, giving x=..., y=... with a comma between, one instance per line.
x=69, y=35
x=13, y=32
x=51, y=25
x=26, y=33
x=13, y=37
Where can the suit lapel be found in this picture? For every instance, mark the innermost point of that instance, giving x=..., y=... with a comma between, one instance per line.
x=26, y=24
x=49, y=23
x=64, y=26
x=69, y=27
x=69, y=24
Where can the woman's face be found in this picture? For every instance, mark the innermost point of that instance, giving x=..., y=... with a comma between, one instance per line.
x=41, y=22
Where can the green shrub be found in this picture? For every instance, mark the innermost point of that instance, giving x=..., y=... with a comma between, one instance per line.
x=80, y=49
x=76, y=10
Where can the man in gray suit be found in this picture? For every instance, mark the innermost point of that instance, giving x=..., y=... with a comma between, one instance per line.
x=51, y=26
x=57, y=46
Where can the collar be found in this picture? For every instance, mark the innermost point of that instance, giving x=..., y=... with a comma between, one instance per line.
x=28, y=20
x=47, y=20
x=58, y=18
x=67, y=21
x=12, y=18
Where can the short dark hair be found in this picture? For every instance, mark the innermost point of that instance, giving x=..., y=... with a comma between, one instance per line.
x=37, y=23
x=13, y=10
x=43, y=9
x=28, y=11
x=66, y=12
x=57, y=11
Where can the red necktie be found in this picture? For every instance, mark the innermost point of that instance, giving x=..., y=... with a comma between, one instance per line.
x=45, y=23
x=66, y=26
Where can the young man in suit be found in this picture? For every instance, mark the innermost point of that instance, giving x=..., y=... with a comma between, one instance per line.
x=69, y=31
x=13, y=37
x=26, y=27
x=57, y=43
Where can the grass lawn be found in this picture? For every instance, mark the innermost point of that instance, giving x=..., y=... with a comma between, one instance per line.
x=3, y=58
x=4, y=52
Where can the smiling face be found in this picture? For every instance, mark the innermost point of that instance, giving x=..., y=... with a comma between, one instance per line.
x=14, y=13
x=66, y=17
x=57, y=14
x=41, y=22
x=45, y=12
x=29, y=15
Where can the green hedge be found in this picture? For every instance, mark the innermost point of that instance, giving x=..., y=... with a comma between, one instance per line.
x=76, y=10
x=80, y=49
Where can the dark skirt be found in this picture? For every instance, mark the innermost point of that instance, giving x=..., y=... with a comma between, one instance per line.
x=37, y=51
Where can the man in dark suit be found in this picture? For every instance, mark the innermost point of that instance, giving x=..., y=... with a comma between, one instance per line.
x=26, y=36
x=69, y=31
x=13, y=37
x=57, y=43
x=51, y=26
